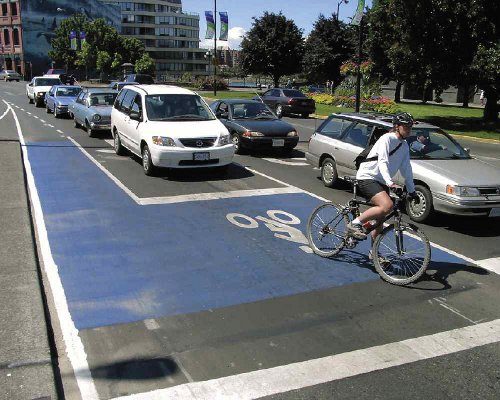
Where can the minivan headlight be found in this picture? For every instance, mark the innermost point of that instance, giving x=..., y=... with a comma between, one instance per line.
x=163, y=141
x=463, y=191
x=224, y=140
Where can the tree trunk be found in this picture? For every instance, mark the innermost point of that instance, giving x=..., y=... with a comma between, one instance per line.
x=424, y=94
x=397, y=92
x=465, y=102
x=276, y=81
x=491, y=107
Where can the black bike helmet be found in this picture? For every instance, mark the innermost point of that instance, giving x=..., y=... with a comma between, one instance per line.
x=403, y=119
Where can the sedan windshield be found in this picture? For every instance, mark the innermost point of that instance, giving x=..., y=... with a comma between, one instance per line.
x=67, y=92
x=432, y=143
x=177, y=107
x=47, y=82
x=251, y=111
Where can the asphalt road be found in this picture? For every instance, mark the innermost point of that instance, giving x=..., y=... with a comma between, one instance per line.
x=194, y=285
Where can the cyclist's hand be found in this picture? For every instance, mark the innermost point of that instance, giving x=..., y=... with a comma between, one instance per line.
x=413, y=196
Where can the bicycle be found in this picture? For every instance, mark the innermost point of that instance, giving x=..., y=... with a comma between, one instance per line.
x=401, y=253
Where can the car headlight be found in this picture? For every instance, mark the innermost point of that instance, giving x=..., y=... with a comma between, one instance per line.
x=163, y=141
x=292, y=134
x=463, y=191
x=252, y=134
x=96, y=117
x=40, y=94
x=224, y=140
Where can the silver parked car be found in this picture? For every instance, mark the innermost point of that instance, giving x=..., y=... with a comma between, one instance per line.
x=92, y=109
x=10, y=75
x=447, y=178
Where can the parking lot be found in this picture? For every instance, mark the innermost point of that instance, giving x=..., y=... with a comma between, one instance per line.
x=195, y=285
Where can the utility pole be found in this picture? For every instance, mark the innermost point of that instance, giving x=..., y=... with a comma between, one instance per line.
x=215, y=48
x=358, y=68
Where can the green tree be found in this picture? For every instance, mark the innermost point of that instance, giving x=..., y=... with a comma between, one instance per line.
x=131, y=49
x=274, y=46
x=86, y=57
x=327, y=47
x=487, y=67
x=61, y=51
x=145, y=65
x=103, y=62
x=117, y=63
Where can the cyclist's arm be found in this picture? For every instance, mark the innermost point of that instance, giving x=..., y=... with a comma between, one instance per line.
x=407, y=173
x=383, y=162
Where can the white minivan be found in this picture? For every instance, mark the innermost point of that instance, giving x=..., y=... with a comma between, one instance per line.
x=170, y=127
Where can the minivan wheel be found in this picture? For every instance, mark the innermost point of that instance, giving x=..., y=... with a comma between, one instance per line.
x=329, y=173
x=117, y=144
x=424, y=209
x=147, y=163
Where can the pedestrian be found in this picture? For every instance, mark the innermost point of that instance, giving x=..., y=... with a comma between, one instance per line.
x=288, y=84
x=328, y=86
x=482, y=99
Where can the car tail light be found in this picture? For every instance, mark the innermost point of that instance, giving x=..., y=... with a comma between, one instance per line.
x=291, y=101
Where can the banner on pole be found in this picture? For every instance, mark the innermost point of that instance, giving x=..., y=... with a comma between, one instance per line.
x=224, y=21
x=209, y=15
x=72, y=40
x=83, y=38
x=359, y=13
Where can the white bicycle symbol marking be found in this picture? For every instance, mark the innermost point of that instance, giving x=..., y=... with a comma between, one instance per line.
x=278, y=222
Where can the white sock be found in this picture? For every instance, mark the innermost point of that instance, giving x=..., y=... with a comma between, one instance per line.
x=356, y=221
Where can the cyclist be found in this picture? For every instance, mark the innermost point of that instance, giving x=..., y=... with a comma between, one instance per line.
x=375, y=177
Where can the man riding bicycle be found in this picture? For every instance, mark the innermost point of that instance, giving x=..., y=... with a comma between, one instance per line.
x=390, y=154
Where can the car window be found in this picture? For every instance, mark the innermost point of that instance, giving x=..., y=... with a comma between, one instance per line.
x=47, y=81
x=79, y=99
x=293, y=93
x=177, y=107
x=358, y=134
x=66, y=92
x=137, y=104
x=334, y=127
x=274, y=93
x=222, y=107
x=119, y=99
x=51, y=91
x=126, y=103
x=434, y=143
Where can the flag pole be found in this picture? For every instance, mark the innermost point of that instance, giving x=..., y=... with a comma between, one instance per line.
x=215, y=48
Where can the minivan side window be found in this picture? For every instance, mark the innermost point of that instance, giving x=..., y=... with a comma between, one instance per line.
x=119, y=99
x=334, y=127
x=137, y=104
x=358, y=135
x=126, y=104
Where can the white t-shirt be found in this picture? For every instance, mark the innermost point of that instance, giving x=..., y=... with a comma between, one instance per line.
x=384, y=168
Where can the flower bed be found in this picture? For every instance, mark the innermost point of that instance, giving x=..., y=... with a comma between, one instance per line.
x=375, y=103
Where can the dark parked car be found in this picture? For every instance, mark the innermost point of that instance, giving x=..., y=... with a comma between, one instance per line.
x=142, y=79
x=288, y=101
x=115, y=85
x=252, y=125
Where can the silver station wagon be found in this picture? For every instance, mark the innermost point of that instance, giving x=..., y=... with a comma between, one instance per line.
x=447, y=178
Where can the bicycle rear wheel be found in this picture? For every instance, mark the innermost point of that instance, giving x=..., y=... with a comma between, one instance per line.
x=326, y=229
x=401, y=256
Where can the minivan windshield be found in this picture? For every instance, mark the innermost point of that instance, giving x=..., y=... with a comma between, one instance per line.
x=47, y=81
x=433, y=143
x=177, y=107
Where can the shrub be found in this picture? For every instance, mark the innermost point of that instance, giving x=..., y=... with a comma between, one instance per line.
x=375, y=103
x=207, y=83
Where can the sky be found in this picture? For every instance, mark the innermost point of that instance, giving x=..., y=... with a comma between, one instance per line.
x=303, y=12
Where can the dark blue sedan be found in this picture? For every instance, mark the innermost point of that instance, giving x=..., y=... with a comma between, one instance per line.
x=59, y=97
x=253, y=126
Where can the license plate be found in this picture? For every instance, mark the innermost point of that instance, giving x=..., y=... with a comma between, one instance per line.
x=278, y=142
x=201, y=156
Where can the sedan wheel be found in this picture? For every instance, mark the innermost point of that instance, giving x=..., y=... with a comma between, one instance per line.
x=423, y=210
x=236, y=142
x=56, y=115
x=147, y=163
x=90, y=131
x=47, y=109
x=279, y=110
x=329, y=173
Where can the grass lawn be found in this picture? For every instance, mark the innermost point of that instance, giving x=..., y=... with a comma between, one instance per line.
x=453, y=119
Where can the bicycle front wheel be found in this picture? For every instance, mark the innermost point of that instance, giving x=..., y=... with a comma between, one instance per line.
x=402, y=255
x=326, y=229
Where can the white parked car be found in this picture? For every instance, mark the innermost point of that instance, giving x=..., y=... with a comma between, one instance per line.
x=39, y=85
x=168, y=126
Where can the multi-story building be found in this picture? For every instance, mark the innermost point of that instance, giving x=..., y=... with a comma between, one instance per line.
x=228, y=57
x=11, y=36
x=170, y=35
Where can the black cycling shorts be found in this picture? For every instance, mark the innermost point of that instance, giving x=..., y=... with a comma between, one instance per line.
x=370, y=187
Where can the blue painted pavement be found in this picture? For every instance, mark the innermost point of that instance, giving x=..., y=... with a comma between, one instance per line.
x=120, y=262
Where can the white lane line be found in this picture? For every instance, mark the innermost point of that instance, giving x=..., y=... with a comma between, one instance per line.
x=285, y=162
x=5, y=113
x=42, y=121
x=110, y=142
x=27, y=112
x=50, y=126
x=267, y=382
x=217, y=195
x=22, y=109
x=491, y=264
x=9, y=93
x=108, y=174
x=34, y=116
x=74, y=345
x=59, y=131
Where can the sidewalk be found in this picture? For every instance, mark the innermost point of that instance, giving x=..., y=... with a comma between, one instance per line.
x=26, y=362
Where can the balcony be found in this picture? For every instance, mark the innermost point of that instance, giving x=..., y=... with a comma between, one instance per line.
x=7, y=20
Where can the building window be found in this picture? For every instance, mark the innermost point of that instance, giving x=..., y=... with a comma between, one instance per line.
x=15, y=37
x=6, y=37
x=13, y=9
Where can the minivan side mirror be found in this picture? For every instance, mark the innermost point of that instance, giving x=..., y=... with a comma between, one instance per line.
x=30, y=84
x=136, y=116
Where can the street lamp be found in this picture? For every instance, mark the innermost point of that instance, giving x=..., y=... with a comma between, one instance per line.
x=338, y=6
x=208, y=56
